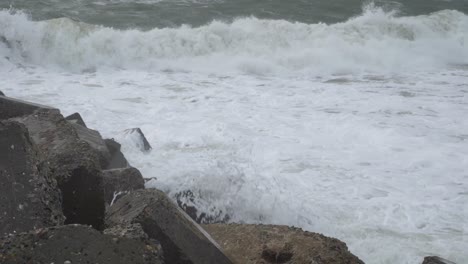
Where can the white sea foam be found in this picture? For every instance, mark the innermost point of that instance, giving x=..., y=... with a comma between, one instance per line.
x=374, y=41
x=375, y=156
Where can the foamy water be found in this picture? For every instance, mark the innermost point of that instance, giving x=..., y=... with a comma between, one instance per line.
x=357, y=130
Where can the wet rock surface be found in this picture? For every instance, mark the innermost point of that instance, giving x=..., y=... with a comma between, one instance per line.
x=11, y=107
x=95, y=141
x=436, y=260
x=118, y=182
x=55, y=171
x=75, y=244
x=29, y=197
x=117, y=158
x=138, y=138
x=183, y=240
x=74, y=163
x=246, y=244
x=76, y=118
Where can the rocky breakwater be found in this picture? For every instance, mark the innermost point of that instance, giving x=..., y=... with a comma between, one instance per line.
x=69, y=196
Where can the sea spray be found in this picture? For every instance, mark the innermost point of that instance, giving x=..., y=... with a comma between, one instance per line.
x=247, y=45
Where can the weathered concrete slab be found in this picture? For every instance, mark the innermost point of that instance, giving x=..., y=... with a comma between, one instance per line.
x=249, y=244
x=29, y=197
x=436, y=260
x=118, y=182
x=75, y=244
x=10, y=107
x=117, y=158
x=138, y=138
x=76, y=119
x=183, y=240
x=94, y=139
x=74, y=164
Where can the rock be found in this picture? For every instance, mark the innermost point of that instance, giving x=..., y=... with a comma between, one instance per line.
x=74, y=163
x=75, y=244
x=183, y=240
x=117, y=159
x=76, y=119
x=138, y=138
x=187, y=201
x=246, y=244
x=29, y=197
x=94, y=139
x=436, y=260
x=118, y=182
x=133, y=231
x=10, y=107
x=2, y=94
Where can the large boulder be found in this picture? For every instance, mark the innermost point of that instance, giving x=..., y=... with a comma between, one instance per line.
x=74, y=163
x=136, y=137
x=94, y=139
x=117, y=159
x=436, y=260
x=75, y=244
x=118, y=182
x=76, y=118
x=246, y=244
x=10, y=107
x=183, y=240
x=29, y=197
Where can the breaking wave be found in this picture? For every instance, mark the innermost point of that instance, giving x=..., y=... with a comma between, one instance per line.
x=375, y=41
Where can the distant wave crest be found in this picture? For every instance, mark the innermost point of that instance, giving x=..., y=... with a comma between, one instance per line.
x=374, y=41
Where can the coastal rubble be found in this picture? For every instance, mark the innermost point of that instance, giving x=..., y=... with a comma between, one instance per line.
x=69, y=196
x=76, y=118
x=74, y=163
x=117, y=158
x=29, y=197
x=76, y=244
x=164, y=221
x=436, y=260
x=249, y=244
x=118, y=182
x=138, y=138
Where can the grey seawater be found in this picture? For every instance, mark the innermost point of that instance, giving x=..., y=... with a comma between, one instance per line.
x=147, y=14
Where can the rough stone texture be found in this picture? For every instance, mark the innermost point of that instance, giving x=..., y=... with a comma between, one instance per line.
x=117, y=159
x=29, y=197
x=133, y=231
x=183, y=241
x=436, y=260
x=94, y=139
x=74, y=164
x=10, y=107
x=75, y=244
x=139, y=138
x=118, y=182
x=246, y=244
x=76, y=119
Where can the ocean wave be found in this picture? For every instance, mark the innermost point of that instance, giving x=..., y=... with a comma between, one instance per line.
x=374, y=41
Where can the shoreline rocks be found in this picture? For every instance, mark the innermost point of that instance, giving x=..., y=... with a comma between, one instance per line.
x=249, y=244
x=118, y=182
x=183, y=240
x=76, y=244
x=29, y=197
x=436, y=260
x=58, y=177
